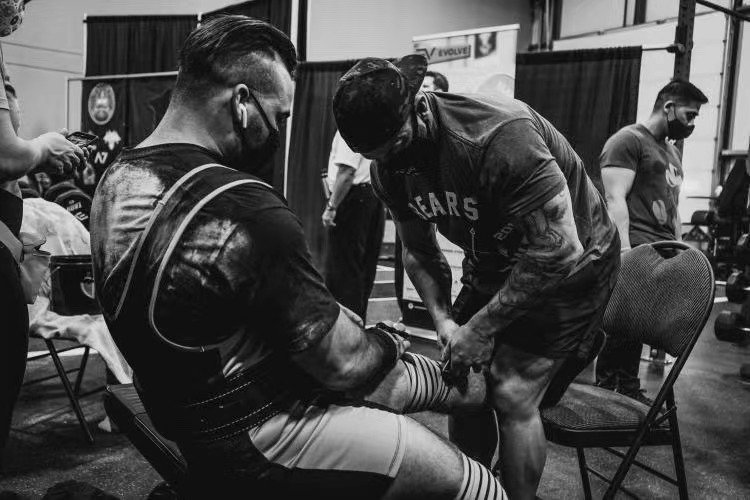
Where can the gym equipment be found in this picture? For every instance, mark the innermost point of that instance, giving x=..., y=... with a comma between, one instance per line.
x=729, y=327
x=735, y=287
x=57, y=189
x=77, y=203
x=71, y=198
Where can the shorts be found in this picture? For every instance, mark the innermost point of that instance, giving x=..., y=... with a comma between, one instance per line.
x=565, y=325
x=332, y=452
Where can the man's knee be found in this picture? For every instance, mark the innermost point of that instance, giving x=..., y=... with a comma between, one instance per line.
x=513, y=400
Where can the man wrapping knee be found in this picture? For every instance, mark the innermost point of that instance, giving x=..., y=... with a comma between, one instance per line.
x=240, y=354
x=540, y=252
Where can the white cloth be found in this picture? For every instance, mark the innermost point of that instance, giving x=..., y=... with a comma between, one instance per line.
x=341, y=154
x=66, y=236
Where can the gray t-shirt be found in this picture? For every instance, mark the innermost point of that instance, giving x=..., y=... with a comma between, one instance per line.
x=653, y=198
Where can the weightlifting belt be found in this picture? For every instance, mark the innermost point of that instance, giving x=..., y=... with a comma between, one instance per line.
x=212, y=406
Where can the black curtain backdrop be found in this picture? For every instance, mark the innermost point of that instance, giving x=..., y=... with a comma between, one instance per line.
x=586, y=94
x=313, y=128
x=276, y=12
x=148, y=99
x=118, y=45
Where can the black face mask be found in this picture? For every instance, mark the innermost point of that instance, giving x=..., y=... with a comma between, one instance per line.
x=676, y=130
x=256, y=160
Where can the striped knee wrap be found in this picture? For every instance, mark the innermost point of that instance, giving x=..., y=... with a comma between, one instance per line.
x=479, y=483
x=427, y=387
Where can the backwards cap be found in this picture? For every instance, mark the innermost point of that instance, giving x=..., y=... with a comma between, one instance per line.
x=374, y=98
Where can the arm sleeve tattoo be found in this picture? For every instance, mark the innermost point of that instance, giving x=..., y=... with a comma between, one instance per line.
x=549, y=251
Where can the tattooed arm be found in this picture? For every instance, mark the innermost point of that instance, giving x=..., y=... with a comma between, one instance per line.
x=548, y=253
x=427, y=268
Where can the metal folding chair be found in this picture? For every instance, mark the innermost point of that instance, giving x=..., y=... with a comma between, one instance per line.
x=663, y=297
x=73, y=392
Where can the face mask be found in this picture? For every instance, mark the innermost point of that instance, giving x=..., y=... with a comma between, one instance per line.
x=11, y=15
x=676, y=130
x=256, y=160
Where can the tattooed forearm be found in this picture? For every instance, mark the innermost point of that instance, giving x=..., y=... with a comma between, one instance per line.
x=549, y=251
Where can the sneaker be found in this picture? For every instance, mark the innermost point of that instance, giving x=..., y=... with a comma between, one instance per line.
x=640, y=396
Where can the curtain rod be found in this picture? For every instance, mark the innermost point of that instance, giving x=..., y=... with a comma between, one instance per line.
x=670, y=47
x=119, y=77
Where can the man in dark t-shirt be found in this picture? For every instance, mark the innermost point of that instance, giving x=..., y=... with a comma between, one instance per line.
x=642, y=173
x=239, y=352
x=540, y=251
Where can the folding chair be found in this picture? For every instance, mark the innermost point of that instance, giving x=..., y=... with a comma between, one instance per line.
x=73, y=392
x=663, y=297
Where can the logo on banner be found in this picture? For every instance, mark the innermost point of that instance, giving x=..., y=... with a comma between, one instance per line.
x=102, y=103
x=485, y=44
x=112, y=139
x=447, y=53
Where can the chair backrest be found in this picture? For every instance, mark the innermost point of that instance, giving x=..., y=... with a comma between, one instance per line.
x=663, y=296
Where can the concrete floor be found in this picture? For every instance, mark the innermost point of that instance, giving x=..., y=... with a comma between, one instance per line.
x=47, y=446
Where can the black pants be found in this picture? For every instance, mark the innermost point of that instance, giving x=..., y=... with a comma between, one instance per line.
x=354, y=247
x=618, y=364
x=14, y=340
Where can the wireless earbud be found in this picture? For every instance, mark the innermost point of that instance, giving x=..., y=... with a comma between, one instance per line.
x=243, y=116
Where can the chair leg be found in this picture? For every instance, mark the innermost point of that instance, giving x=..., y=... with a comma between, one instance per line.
x=679, y=462
x=81, y=371
x=585, y=481
x=69, y=390
x=622, y=470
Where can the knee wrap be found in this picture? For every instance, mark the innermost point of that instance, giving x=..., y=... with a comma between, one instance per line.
x=427, y=387
x=478, y=482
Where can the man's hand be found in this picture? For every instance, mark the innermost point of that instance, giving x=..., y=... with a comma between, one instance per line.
x=468, y=348
x=329, y=215
x=445, y=330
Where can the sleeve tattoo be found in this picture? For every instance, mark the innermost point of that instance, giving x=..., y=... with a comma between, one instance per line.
x=549, y=251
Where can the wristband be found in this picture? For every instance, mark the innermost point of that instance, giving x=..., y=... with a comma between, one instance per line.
x=330, y=206
x=388, y=343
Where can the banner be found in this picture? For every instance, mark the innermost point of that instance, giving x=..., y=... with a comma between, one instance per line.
x=479, y=61
x=104, y=114
x=474, y=61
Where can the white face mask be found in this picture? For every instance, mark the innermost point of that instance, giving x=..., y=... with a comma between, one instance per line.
x=11, y=15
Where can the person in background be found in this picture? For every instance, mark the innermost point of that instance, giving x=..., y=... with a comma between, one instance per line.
x=17, y=157
x=434, y=81
x=642, y=173
x=355, y=219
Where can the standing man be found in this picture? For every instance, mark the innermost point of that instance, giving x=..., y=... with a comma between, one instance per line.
x=541, y=253
x=356, y=220
x=642, y=173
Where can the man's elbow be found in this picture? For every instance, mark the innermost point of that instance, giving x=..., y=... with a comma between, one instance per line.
x=345, y=376
x=570, y=253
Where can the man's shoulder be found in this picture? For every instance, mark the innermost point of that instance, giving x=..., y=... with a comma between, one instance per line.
x=632, y=135
x=475, y=118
